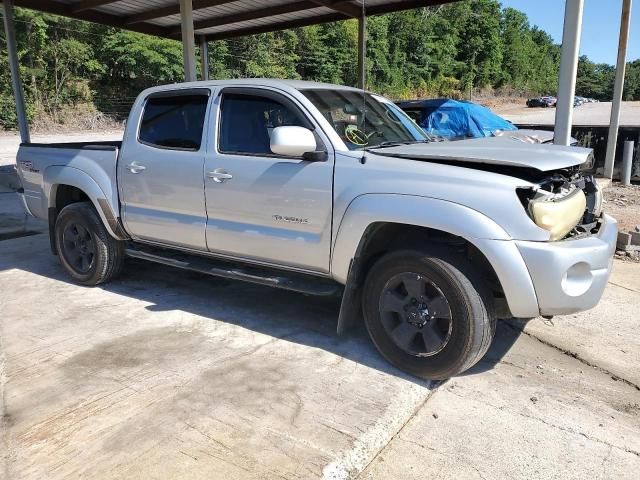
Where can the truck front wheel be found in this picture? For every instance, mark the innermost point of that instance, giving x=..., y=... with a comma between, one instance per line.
x=85, y=248
x=428, y=312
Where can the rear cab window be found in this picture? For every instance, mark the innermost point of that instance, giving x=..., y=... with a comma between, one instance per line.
x=174, y=120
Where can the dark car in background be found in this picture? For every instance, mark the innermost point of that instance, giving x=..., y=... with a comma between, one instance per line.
x=544, y=102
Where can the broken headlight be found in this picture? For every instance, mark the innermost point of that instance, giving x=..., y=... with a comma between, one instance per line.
x=558, y=211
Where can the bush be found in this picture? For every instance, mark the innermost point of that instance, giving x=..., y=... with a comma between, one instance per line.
x=8, y=115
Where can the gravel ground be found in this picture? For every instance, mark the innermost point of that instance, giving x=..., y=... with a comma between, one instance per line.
x=588, y=114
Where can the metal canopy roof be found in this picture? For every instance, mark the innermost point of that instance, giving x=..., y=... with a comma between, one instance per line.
x=218, y=19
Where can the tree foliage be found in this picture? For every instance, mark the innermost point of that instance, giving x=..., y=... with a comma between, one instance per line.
x=451, y=50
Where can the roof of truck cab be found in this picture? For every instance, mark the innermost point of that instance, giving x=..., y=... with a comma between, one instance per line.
x=266, y=82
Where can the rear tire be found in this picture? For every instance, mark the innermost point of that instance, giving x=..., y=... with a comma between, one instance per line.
x=428, y=312
x=86, y=250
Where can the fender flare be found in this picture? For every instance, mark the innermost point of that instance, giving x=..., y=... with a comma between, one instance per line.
x=74, y=177
x=476, y=228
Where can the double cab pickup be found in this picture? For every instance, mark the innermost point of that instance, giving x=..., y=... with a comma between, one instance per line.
x=330, y=190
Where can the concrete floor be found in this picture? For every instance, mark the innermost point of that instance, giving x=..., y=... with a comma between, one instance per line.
x=169, y=374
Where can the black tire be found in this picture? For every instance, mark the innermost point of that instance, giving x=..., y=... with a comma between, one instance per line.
x=469, y=329
x=86, y=250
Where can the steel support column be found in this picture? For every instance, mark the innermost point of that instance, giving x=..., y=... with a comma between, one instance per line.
x=618, y=88
x=188, y=41
x=568, y=70
x=362, y=51
x=204, y=58
x=10, y=33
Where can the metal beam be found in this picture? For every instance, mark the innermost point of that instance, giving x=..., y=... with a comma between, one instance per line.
x=618, y=89
x=94, y=16
x=568, y=70
x=188, y=41
x=204, y=58
x=89, y=4
x=9, y=30
x=252, y=15
x=352, y=9
x=303, y=22
x=318, y=19
x=170, y=10
x=362, y=51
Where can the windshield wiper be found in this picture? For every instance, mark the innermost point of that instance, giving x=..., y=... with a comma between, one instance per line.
x=395, y=144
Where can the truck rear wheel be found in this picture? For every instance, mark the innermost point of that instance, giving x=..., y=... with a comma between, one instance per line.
x=428, y=312
x=86, y=250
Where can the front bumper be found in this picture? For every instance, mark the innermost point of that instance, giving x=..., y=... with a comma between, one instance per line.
x=570, y=275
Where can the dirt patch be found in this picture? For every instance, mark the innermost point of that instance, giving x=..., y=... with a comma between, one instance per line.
x=623, y=203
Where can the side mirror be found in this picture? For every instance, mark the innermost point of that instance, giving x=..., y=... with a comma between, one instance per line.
x=292, y=141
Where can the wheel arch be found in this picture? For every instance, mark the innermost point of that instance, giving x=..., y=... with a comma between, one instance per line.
x=66, y=185
x=380, y=223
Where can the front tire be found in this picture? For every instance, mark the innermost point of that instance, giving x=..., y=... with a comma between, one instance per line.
x=428, y=312
x=86, y=250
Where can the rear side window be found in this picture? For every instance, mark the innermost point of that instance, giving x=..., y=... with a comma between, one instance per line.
x=415, y=114
x=174, y=122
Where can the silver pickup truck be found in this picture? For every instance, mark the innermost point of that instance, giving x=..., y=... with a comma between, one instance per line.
x=328, y=190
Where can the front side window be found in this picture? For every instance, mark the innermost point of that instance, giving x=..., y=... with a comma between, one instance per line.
x=247, y=120
x=174, y=122
x=365, y=120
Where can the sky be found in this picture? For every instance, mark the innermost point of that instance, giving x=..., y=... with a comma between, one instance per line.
x=600, y=28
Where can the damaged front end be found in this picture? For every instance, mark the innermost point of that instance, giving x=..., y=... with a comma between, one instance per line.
x=568, y=204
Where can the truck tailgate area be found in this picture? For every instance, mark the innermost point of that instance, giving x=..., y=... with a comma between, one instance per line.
x=40, y=165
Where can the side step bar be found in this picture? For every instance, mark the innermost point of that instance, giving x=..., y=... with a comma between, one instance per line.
x=296, y=282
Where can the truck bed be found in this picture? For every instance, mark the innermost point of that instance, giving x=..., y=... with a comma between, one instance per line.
x=41, y=166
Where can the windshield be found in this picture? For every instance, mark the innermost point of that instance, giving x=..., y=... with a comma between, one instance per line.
x=365, y=120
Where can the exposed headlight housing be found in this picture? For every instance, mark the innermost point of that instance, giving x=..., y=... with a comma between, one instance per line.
x=558, y=212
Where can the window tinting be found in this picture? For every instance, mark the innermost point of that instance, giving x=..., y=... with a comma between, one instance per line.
x=248, y=120
x=174, y=122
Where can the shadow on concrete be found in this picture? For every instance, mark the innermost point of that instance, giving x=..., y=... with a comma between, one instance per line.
x=294, y=317
x=506, y=336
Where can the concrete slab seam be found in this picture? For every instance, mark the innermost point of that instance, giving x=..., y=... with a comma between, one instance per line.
x=622, y=286
x=366, y=447
x=552, y=425
x=576, y=356
x=396, y=435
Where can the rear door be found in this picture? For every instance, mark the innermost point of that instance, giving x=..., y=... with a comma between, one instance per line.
x=262, y=206
x=160, y=171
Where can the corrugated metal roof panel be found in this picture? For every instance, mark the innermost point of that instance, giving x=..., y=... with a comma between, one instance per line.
x=233, y=8
x=129, y=7
x=162, y=17
x=267, y=20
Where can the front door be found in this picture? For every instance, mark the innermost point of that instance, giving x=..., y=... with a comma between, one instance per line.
x=261, y=206
x=160, y=171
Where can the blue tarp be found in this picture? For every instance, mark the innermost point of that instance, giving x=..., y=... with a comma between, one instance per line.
x=454, y=119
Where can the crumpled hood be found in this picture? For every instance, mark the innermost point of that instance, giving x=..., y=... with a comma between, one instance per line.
x=507, y=151
x=531, y=136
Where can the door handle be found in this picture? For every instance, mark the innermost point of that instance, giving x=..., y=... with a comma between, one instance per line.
x=219, y=175
x=135, y=168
